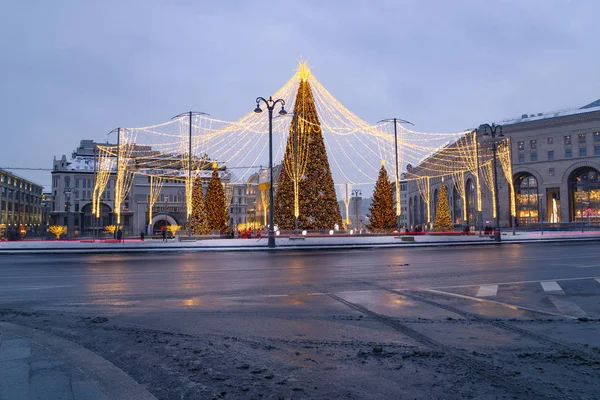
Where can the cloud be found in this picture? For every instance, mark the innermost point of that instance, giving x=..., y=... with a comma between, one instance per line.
x=74, y=70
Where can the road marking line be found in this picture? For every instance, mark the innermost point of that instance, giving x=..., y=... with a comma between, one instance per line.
x=276, y=295
x=598, y=280
x=551, y=286
x=567, y=307
x=487, y=290
x=513, y=283
x=508, y=305
x=317, y=294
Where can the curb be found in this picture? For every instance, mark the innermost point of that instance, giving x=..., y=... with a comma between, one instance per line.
x=283, y=247
x=115, y=383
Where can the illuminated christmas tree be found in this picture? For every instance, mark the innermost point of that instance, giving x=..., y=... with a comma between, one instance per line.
x=198, y=220
x=382, y=216
x=305, y=188
x=216, y=212
x=443, y=219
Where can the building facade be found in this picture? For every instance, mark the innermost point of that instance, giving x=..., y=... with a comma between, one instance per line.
x=73, y=181
x=20, y=207
x=555, y=174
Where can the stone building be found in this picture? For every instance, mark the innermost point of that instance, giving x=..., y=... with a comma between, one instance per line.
x=73, y=181
x=555, y=172
x=20, y=206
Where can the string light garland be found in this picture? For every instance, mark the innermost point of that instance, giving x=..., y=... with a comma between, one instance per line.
x=351, y=150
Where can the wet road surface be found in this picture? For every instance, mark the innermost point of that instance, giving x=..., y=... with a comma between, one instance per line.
x=519, y=321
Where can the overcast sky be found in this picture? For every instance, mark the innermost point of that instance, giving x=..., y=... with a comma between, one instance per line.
x=76, y=69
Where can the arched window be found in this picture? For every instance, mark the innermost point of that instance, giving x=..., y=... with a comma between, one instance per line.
x=584, y=185
x=471, y=202
x=526, y=192
x=458, y=207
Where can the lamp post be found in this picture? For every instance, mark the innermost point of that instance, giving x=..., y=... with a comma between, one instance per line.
x=189, y=114
x=356, y=193
x=495, y=131
x=541, y=211
x=270, y=106
x=67, y=193
x=580, y=195
x=398, y=207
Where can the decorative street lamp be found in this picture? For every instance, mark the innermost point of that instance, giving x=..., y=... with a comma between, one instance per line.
x=398, y=201
x=189, y=114
x=270, y=106
x=495, y=131
x=541, y=212
x=356, y=193
x=580, y=195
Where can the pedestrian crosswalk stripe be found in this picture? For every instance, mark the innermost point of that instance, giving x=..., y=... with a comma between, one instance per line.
x=551, y=286
x=567, y=307
x=487, y=290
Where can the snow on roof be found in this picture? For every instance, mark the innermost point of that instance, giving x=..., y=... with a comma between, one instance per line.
x=552, y=114
x=81, y=163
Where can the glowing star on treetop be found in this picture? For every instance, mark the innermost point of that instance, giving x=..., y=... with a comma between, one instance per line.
x=303, y=71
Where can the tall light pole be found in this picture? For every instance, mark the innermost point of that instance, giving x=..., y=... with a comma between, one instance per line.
x=541, y=212
x=398, y=202
x=580, y=195
x=495, y=131
x=356, y=193
x=189, y=114
x=270, y=106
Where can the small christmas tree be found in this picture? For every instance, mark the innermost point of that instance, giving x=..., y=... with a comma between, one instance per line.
x=382, y=211
x=443, y=219
x=216, y=212
x=198, y=220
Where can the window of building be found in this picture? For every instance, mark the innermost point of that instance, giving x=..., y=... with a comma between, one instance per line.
x=76, y=183
x=596, y=136
x=551, y=172
x=597, y=151
x=585, y=195
x=582, y=152
x=551, y=155
x=533, y=156
x=534, y=144
x=568, y=139
x=550, y=140
x=568, y=153
x=521, y=145
x=521, y=157
x=526, y=199
x=67, y=182
x=581, y=137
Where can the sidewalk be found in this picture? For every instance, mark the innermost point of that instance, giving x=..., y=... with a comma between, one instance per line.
x=309, y=242
x=37, y=365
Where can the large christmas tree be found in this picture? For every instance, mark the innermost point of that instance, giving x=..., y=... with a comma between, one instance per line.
x=198, y=220
x=305, y=188
x=382, y=216
x=443, y=219
x=216, y=212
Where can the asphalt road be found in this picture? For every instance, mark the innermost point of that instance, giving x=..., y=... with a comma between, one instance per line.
x=485, y=321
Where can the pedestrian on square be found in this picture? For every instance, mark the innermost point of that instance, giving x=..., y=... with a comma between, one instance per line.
x=164, y=235
x=142, y=235
x=120, y=235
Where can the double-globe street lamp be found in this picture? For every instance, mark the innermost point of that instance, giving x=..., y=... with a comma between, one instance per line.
x=398, y=200
x=495, y=134
x=270, y=106
x=356, y=193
